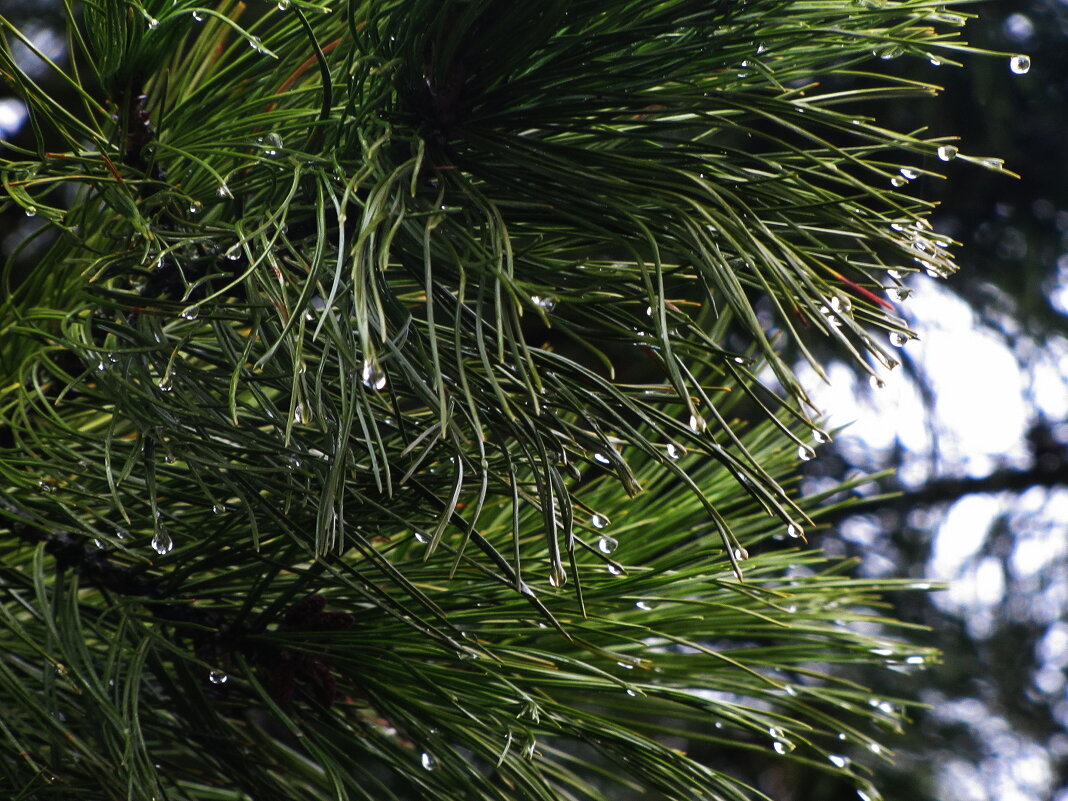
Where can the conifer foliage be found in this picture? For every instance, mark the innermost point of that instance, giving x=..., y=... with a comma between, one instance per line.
x=400, y=401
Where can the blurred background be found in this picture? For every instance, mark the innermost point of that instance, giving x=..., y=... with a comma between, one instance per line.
x=975, y=421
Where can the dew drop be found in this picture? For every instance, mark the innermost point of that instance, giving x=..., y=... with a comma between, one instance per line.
x=427, y=760
x=190, y=312
x=601, y=458
x=224, y=191
x=898, y=181
x=420, y=537
x=218, y=677
x=675, y=452
x=607, y=544
x=794, y=531
x=166, y=384
x=373, y=376
x=613, y=570
x=162, y=542
x=644, y=605
x=805, y=453
x=31, y=211
x=153, y=23
x=782, y=747
x=909, y=175
x=283, y=5
x=900, y=293
x=195, y=207
x=218, y=509
x=100, y=544
x=876, y=382
x=947, y=152
x=598, y=520
x=274, y=144
x=697, y=424
x=1020, y=64
x=915, y=660
x=839, y=761
x=120, y=533
x=198, y=17
x=544, y=302
x=821, y=436
x=898, y=340
x=741, y=554
x=875, y=748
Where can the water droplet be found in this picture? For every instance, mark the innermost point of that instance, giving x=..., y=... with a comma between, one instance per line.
x=283, y=5
x=607, y=544
x=100, y=544
x=839, y=761
x=166, y=384
x=153, y=23
x=898, y=340
x=31, y=211
x=781, y=744
x=162, y=542
x=889, y=52
x=218, y=677
x=120, y=533
x=198, y=17
x=915, y=660
x=644, y=605
x=947, y=152
x=894, y=274
x=421, y=537
x=875, y=748
x=256, y=44
x=794, y=531
x=557, y=576
x=821, y=436
x=373, y=376
x=224, y=191
x=427, y=761
x=626, y=665
x=274, y=144
x=876, y=382
x=195, y=207
x=900, y=293
x=909, y=175
x=218, y=509
x=697, y=424
x=1020, y=64
x=101, y=366
x=805, y=453
x=614, y=570
x=674, y=451
x=190, y=312
x=598, y=520
x=600, y=457
x=898, y=181
x=543, y=301
x=993, y=163
x=789, y=688
x=741, y=554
